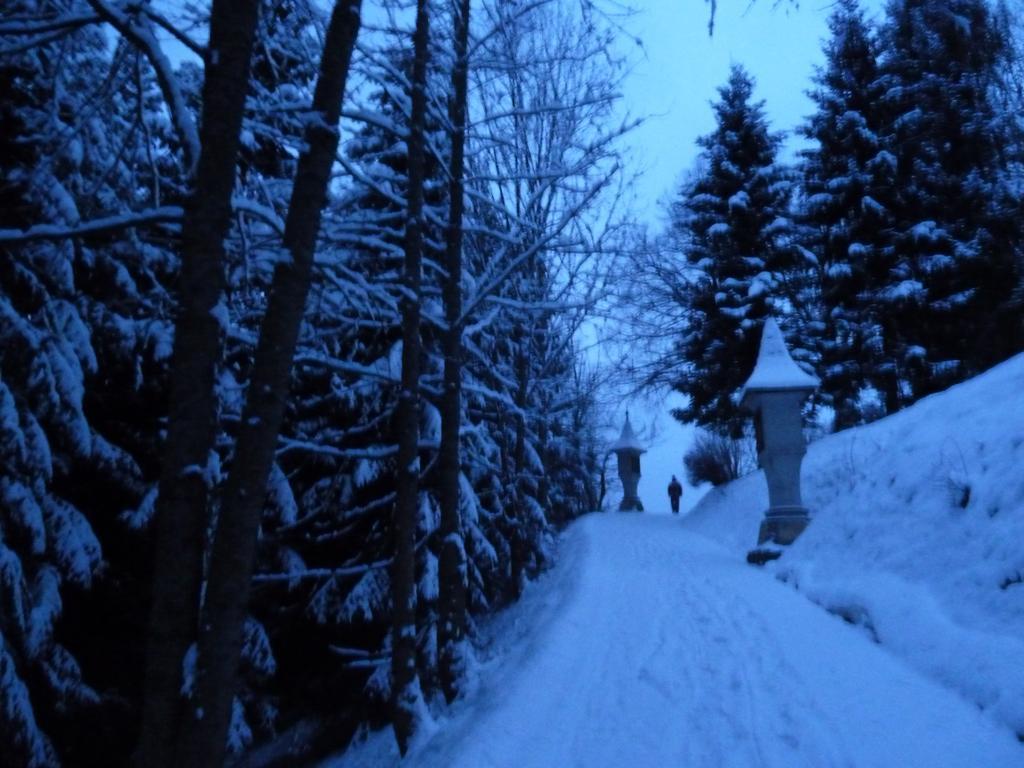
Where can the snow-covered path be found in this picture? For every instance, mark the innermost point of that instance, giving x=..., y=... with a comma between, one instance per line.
x=649, y=646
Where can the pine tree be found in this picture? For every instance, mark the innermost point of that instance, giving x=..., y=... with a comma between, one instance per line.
x=84, y=340
x=734, y=220
x=845, y=200
x=956, y=227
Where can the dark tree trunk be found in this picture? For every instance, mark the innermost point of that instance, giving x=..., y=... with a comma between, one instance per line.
x=543, y=437
x=604, y=486
x=404, y=685
x=234, y=545
x=452, y=572
x=519, y=532
x=198, y=347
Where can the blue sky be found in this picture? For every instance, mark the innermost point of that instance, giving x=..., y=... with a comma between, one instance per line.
x=679, y=68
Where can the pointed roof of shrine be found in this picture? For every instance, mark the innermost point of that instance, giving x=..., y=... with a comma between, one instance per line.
x=775, y=370
x=627, y=440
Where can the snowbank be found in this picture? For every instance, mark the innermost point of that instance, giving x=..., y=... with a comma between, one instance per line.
x=917, y=535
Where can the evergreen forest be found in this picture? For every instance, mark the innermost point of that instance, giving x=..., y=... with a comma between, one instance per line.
x=295, y=308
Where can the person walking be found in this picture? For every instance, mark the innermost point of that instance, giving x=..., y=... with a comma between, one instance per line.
x=675, y=490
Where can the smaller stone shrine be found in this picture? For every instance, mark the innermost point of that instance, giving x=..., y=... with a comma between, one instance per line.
x=627, y=450
x=775, y=394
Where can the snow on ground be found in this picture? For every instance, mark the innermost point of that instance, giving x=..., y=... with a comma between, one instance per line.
x=648, y=645
x=666, y=441
x=917, y=535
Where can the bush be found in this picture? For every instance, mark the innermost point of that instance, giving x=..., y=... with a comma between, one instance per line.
x=717, y=459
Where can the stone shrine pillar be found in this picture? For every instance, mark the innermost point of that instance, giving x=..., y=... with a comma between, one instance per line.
x=627, y=450
x=775, y=393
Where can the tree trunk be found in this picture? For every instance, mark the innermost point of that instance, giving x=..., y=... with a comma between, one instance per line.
x=604, y=486
x=405, y=693
x=521, y=521
x=543, y=438
x=234, y=546
x=198, y=347
x=452, y=572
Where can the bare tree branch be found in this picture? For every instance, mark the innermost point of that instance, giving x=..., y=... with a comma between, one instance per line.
x=168, y=26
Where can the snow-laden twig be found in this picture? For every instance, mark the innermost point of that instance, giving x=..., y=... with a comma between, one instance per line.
x=67, y=22
x=513, y=264
x=344, y=366
x=41, y=32
x=165, y=215
x=142, y=37
x=377, y=120
x=256, y=210
x=381, y=452
x=320, y=573
x=168, y=26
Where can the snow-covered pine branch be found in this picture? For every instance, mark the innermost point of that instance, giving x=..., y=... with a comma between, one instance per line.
x=104, y=226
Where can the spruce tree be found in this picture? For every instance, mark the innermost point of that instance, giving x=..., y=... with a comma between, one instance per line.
x=733, y=218
x=845, y=199
x=82, y=340
x=956, y=225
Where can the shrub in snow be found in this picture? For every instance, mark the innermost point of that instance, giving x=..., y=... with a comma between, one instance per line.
x=718, y=459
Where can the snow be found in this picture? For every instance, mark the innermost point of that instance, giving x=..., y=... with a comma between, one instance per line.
x=916, y=527
x=361, y=603
x=869, y=203
x=45, y=612
x=256, y=650
x=842, y=269
x=739, y=201
x=428, y=580
x=885, y=158
x=367, y=471
x=819, y=200
x=925, y=231
x=775, y=369
x=627, y=440
x=760, y=285
x=650, y=645
x=25, y=515
x=667, y=441
x=239, y=732
x=904, y=290
x=16, y=708
x=140, y=517
x=280, y=497
x=72, y=542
